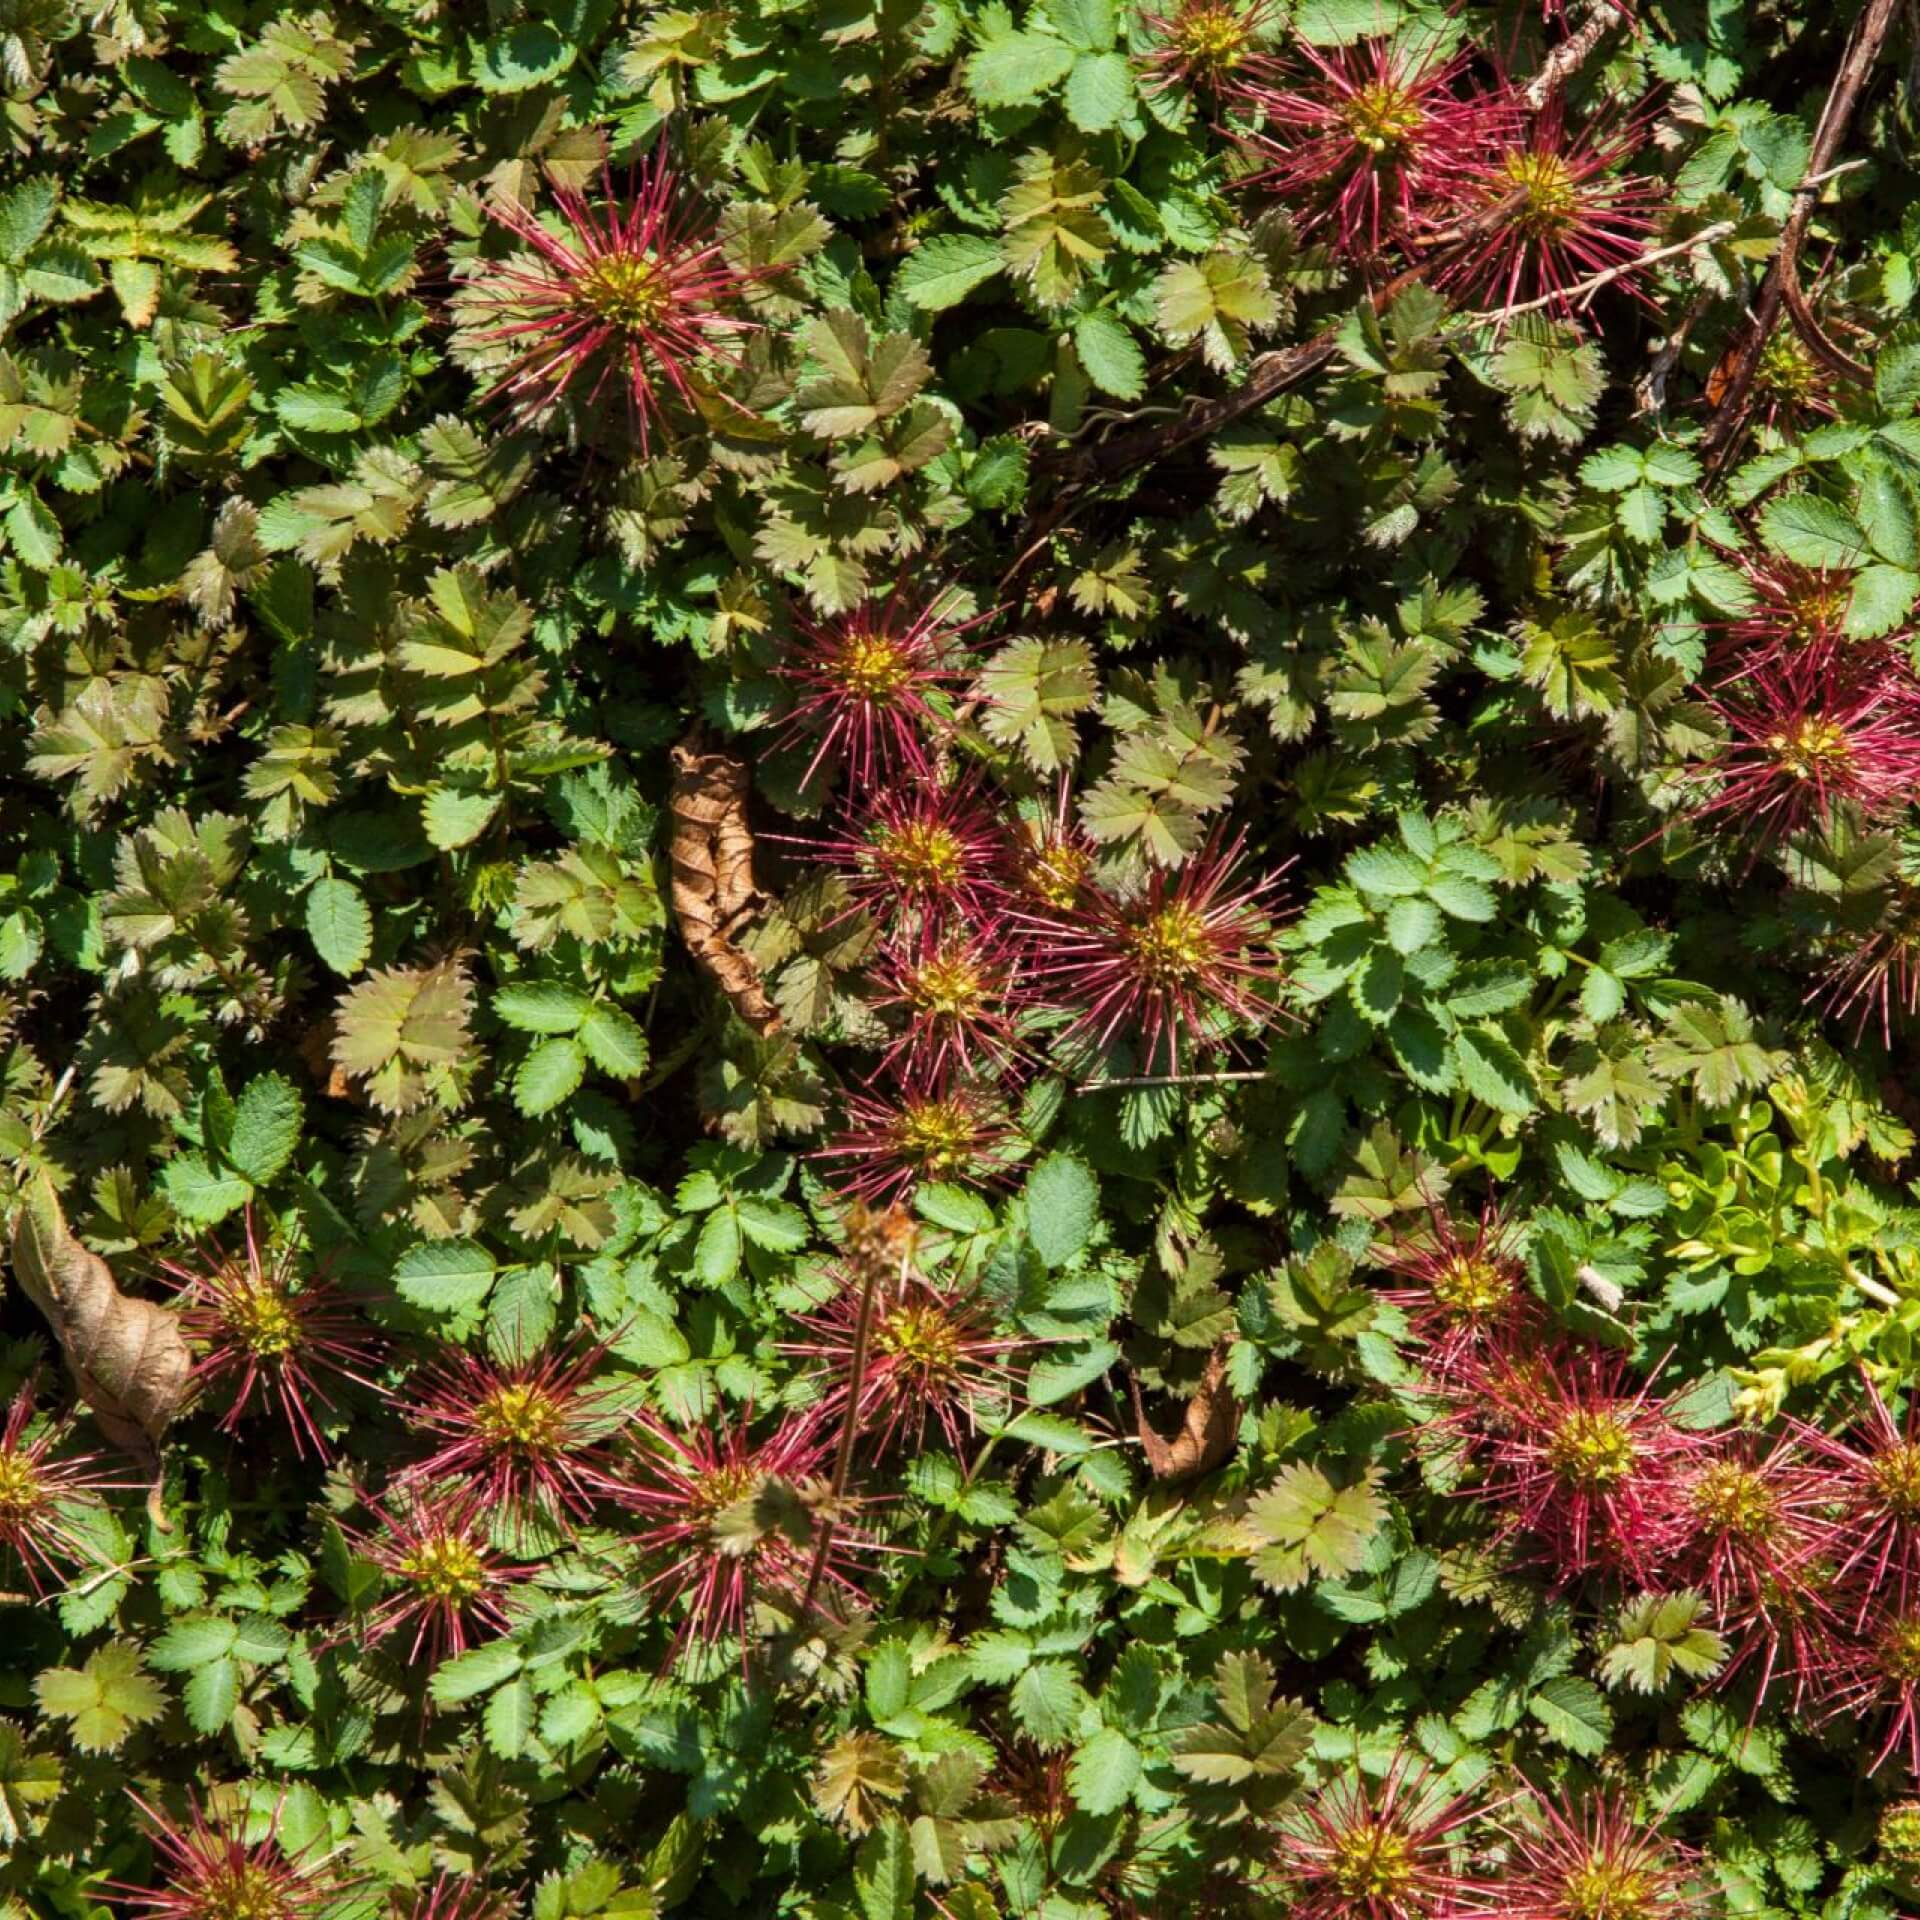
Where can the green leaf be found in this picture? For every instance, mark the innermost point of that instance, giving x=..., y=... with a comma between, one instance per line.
x=445, y=1277
x=1099, y=91
x=509, y=1719
x=1017, y=68
x=525, y=56
x=614, y=1042
x=883, y=1873
x=549, y=1075
x=1063, y=1203
x=1305, y=1525
x=1574, y=1714
x=941, y=272
x=1103, y=1774
x=266, y=1127
x=103, y=1701
x=1812, y=532
x=198, y=1193
x=340, y=924
x=1659, y=1636
x=471, y=1674
x=1110, y=354
x=1491, y=1070
x=543, y=1006
x=210, y=1695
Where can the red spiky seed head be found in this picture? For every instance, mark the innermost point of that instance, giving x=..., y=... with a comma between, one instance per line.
x=210, y=1871
x=865, y=683
x=1361, y=141
x=1221, y=47
x=43, y=1495
x=955, y=990
x=1465, y=1287
x=1807, y=735
x=1375, y=1850
x=1566, y=209
x=728, y=1523
x=1593, y=1861
x=443, y=1575
x=917, y=851
x=528, y=1436
x=1869, y=1676
x=635, y=293
x=942, y=1128
x=1175, y=967
x=931, y=1353
x=452, y=1896
x=1878, y=975
x=1870, y=1473
x=270, y=1336
x=1749, y=1526
x=1577, y=1460
x=1792, y=612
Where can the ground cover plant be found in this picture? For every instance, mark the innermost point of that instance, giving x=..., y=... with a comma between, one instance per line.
x=959, y=957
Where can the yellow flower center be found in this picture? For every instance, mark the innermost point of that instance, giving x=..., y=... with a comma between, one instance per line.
x=1736, y=1501
x=1895, y=1477
x=713, y=1493
x=262, y=1318
x=937, y=1135
x=1787, y=371
x=1900, y=1833
x=445, y=1568
x=1592, y=1451
x=1170, y=948
x=1811, y=747
x=242, y=1890
x=626, y=290
x=1383, y=117
x=522, y=1416
x=947, y=985
x=1055, y=872
x=1372, y=1862
x=1900, y=1650
x=1470, y=1287
x=923, y=1335
x=1603, y=1889
x=23, y=1488
x=1210, y=38
x=1817, y=610
x=872, y=666
x=920, y=856
x=1549, y=194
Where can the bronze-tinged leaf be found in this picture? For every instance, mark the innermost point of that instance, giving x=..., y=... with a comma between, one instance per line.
x=1206, y=1433
x=714, y=896
x=127, y=1357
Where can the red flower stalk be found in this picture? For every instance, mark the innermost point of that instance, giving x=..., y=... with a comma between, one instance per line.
x=1366, y=138
x=931, y=1353
x=728, y=1523
x=920, y=850
x=1574, y=213
x=957, y=988
x=1881, y=972
x=1871, y=1477
x=269, y=1337
x=1174, y=965
x=529, y=1438
x=41, y=1496
x=1595, y=1861
x=862, y=683
x=444, y=1576
x=636, y=292
x=1873, y=1674
x=212, y=1872
x=940, y=1128
x=1795, y=613
x=1216, y=46
x=1748, y=1529
x=1578, y=1462
x=1806, y=736
x=1386, y=1850
x=1466, y=1288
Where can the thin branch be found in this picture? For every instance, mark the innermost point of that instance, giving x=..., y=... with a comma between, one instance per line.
x=1173, y=1080
x=1781, y=288
x=1582, y=292
x=1573, y=53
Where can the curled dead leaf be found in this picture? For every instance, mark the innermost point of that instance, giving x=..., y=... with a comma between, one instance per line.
x=127, y=1357
x=1206, y=1434
x=714, y=895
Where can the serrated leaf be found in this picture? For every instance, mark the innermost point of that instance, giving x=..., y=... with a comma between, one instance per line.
x=1305, y=1526
x=267, y=1119
x=103, y=1701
